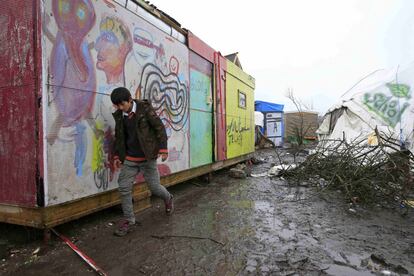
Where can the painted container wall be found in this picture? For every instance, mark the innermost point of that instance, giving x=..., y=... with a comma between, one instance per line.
x=18, y=103
x=239, y=111
x=201, y=111
x=90, y=48
x=219, y=92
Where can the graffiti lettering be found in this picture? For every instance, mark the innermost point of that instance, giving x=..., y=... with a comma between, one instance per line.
x=235, y=131
x=388, y=107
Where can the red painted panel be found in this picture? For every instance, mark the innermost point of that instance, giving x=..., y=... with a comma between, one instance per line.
x=18, y=121
x=200, y=47
x=200, y=64
x=38, y=88
x=220, y=70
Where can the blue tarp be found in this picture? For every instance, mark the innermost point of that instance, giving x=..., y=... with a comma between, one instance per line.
x=267, y=107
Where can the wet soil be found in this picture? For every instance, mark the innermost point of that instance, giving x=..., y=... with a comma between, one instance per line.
x=252, y=226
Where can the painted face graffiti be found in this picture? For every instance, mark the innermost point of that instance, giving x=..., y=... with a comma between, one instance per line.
x=174, y=65
x=145, y=50
x=75, y=19
x=113, y=45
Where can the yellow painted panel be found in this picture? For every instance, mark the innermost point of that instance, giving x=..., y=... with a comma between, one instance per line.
x=239, y=112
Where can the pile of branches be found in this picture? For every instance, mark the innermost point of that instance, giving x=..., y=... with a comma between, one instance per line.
x=366, y=174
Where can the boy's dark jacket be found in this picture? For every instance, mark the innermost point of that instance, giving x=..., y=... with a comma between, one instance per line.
x=151, y=132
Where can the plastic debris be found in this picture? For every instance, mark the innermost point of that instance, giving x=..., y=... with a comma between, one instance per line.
x=352, y=210
x=259, y=174
x=36, y=251
x=237, y=173
x=280, y=169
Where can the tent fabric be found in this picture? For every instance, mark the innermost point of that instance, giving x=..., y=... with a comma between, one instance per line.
x=258, y=118
x=384, y=100
x=267, y=107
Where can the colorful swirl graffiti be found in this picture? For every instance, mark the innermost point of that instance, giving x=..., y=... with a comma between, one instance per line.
x=168, y=95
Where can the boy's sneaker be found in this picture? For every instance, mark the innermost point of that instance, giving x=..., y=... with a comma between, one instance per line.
x=124, y=228
x=169, y=206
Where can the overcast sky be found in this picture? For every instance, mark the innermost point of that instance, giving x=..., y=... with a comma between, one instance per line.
x=319, y=48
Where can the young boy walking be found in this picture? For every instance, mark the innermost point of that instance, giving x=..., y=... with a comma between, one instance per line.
x=140, y=138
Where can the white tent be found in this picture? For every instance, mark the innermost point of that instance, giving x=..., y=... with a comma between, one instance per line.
x=381, y=100
x=258, y=118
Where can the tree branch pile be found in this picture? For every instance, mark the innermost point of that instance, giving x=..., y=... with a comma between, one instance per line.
x=366, y=174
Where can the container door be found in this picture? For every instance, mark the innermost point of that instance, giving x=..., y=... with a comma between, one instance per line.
x=201, y=111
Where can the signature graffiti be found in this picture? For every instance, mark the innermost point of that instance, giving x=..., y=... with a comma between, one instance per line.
x=235, y=131
x=168, y=95
x=389, y=107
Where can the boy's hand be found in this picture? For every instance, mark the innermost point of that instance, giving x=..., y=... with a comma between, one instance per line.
x=117, y=164
x=164, y=156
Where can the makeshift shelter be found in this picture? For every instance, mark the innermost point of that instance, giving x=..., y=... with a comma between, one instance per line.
x=382, y=100
x=273, y=120
x=303, y=124
x=56, y=127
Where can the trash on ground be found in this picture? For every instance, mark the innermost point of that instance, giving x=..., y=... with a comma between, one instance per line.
x=280, y=169
x=240, y=171
x=36, y=251
x=237, y=173
x=84, y=257
x=259, y=174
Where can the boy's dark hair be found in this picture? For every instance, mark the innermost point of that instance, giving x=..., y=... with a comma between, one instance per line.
x=119, y=95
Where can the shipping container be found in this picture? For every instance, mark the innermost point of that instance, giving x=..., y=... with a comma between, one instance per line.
x=61, y=60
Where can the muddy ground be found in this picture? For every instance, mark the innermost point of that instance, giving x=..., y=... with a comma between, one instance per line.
x=257, y=226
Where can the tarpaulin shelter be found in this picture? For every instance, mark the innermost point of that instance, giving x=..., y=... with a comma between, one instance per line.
x=273, y=120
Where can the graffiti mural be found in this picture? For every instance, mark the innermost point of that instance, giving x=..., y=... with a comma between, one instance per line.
x=72, y=74
x=389, y=105
x=112, y=46
x=145, y=51
x=90, y=49
x=168, y=95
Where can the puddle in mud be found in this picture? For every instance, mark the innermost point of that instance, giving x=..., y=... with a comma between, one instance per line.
x=261, y=232
x=339, y=270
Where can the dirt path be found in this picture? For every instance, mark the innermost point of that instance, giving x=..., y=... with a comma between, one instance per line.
x=263, y=229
